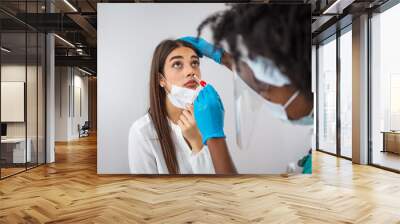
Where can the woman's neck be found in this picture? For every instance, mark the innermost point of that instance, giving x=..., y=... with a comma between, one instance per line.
x=173, y=112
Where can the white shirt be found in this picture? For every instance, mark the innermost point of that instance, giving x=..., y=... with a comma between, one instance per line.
x=146, y=156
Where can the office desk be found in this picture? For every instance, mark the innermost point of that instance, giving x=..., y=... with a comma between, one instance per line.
x=13, y=150
x=391, y=141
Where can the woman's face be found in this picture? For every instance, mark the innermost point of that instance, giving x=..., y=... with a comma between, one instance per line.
x=180, y=67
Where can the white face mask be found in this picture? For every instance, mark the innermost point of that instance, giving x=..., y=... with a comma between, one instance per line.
x=279, y=111
x=180, y=96
x=266, y=71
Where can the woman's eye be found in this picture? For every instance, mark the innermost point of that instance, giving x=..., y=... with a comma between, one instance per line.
x=177, y=65
x=195, y=63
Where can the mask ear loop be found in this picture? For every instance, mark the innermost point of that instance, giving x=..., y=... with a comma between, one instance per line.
x=293, y=97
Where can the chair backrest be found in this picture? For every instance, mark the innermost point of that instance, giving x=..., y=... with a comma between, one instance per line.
x=86, y=124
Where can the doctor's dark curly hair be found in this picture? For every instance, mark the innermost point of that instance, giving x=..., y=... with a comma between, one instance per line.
x=279, y=32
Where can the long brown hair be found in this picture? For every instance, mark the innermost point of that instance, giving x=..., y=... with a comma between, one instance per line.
x=157, y=110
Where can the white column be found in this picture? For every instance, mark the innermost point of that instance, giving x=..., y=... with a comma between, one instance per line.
x=50, y=99
x=50, y=92
x=314, y=91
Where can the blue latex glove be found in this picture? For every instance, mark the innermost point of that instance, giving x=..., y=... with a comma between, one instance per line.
x=306, y=163
x=205, y=48
x=209, y=114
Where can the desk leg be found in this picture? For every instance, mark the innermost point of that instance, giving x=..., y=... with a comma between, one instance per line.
x=384, y=142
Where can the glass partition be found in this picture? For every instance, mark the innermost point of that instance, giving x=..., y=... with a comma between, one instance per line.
x=22, y=89
x=13, y=105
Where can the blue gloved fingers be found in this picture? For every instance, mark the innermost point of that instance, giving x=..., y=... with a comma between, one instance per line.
x=212, y=92
x=190, y=39
x=221, y=105
x=205, y=48
x=200, y=97
x=193, y=41
x=209, y=114
x=215, y=102
x=209, y=89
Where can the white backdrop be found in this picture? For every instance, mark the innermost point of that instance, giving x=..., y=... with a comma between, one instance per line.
x=127, y=36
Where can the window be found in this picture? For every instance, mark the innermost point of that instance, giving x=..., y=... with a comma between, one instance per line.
x=327, y=96
x=385, y=89
x=346, y=93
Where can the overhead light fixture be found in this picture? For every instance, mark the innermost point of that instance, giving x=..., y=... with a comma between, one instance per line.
x=80, y=51
x=84, y=71
x=70, y=5
x=338, y=6
x=64, y=40
x=5, y=50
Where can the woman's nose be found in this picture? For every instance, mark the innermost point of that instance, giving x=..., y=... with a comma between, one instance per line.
x=190, y=72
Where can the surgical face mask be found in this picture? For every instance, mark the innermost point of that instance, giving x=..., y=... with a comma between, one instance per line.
x=306, y=120
x=279, y=111
x=180, y=97
x=265, y=70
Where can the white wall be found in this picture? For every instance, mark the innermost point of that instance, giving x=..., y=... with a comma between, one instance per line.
x=68, y=80
x=127, y=36
x=18, y=73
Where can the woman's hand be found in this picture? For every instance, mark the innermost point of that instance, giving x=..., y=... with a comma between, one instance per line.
x=187, y=123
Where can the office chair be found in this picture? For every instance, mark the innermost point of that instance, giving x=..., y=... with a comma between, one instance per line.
x=84, y=130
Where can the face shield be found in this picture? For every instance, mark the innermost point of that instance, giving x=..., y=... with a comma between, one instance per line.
x=249, y=92
x=255, y=82
x=252, y=81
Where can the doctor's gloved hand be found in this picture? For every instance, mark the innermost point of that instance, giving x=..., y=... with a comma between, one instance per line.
x=205, y=48
x=209, y=114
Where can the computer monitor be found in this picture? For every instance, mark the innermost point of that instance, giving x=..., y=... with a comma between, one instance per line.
x=3, y=129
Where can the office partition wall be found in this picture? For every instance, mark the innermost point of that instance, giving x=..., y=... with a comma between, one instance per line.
x=22, y=88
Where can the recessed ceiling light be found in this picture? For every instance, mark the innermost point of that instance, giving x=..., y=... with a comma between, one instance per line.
x=65, y=41
x=337, y=7
x=5, y=50
x=84, y=71
x=70, y=5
